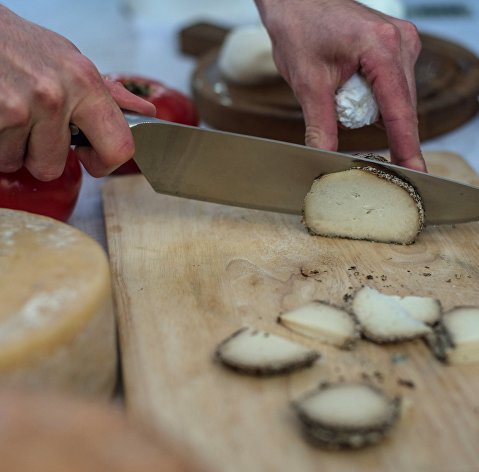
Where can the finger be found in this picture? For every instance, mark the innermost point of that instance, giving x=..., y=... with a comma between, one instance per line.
x=129, y=101
x=48, y=147
x=409, y=74
x=398, y=115
x=106, y=129
x=92, y=161
x=410, y=50
x=319, y=112
x=411, y=82
x=13, y=143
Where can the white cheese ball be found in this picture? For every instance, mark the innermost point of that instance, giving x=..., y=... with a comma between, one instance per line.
x=355, y=103
x=247, y=56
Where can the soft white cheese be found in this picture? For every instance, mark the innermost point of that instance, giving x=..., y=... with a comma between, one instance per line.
x=246, y=56
x=355, y=103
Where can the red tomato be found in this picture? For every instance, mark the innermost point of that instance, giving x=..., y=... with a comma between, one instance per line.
x=171, y=105
x=57, y=198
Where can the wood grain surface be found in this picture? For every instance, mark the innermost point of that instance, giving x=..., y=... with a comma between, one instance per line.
x=187, y=274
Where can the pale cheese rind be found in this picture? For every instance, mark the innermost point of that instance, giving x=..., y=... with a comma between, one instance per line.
x=56, y=317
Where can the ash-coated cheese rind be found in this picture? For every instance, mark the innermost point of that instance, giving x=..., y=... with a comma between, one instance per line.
x=56, y=317
x=383, y=319
x=347, y=415
x=256, y=352
x=364, y=203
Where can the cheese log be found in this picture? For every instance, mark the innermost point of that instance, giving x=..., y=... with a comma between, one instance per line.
x=364, y=203
x=56, y=314
x=57, y=433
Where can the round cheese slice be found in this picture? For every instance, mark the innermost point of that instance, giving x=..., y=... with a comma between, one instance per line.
x=56, y=313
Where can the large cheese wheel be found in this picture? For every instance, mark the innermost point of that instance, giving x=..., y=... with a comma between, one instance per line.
x=56, y=317
x=56, y=433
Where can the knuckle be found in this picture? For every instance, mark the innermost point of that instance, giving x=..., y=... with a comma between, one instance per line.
x=312, y=136
x=50, y=94
x=409, y=31
x=15, y=112
x=84, y=73
x=125, y=150
x=321, y=138
x=388, y=35
x=403, y=116
x=108, y=159
x=301, y=86
x=411, y=37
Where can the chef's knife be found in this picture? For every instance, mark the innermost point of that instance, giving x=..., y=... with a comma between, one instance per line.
x=260, y=173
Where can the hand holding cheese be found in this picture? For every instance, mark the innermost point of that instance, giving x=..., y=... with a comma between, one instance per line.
x=319, y=45
x=246, y=57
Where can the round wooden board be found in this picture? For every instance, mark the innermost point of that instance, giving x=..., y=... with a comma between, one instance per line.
x=447, y=80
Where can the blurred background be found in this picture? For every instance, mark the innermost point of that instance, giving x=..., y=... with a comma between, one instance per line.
x=141, y=35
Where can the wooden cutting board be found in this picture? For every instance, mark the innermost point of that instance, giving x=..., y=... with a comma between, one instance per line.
x=187, y=274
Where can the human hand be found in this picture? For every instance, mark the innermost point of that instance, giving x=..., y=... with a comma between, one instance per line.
x=46, y=83
x=319, y=44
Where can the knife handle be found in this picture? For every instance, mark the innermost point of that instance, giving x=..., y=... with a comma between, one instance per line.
x=77, y=137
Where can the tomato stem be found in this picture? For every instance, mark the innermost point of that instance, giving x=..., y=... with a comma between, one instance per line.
x=142, y=90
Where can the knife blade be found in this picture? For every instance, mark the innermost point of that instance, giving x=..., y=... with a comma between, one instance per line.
x=259, y=173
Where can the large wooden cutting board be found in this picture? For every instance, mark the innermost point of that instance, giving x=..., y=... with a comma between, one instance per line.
x=187, y=274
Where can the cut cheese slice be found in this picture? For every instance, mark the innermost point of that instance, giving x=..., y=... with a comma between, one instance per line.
x=364, y=203
x=383, y=319
x=56, y=317
x=425, y=309
x=322, y=321
x=462, y=326
x=256, y=352
x=347, y=414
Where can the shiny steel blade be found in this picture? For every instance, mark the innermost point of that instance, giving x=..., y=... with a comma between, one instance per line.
x=264, y=174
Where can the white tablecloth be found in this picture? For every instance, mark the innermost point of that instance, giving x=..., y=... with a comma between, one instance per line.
x=141, y=36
